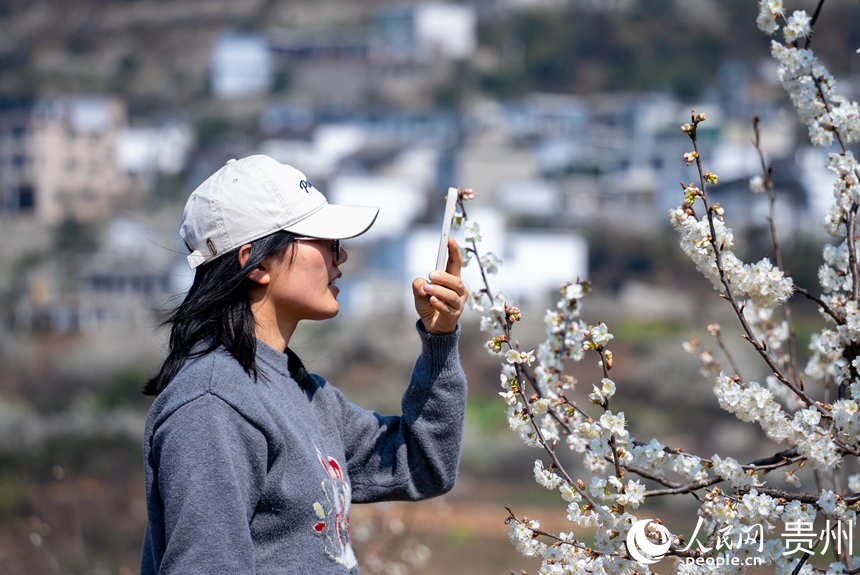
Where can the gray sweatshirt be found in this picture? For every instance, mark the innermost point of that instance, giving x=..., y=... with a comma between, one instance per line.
x=257, y=477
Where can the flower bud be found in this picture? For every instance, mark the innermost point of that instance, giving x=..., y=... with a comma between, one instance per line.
x=467, y=194
x=711, y=178
x=495, y=344
x=687, y=128
x=700, y=118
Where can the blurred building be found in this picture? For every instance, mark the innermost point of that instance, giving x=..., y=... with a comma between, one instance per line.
x=423, y=32
x=403, y=55
x=126, y=282
x=16, y=186
x=57, y=158
x=146, y=152
x=241, y=66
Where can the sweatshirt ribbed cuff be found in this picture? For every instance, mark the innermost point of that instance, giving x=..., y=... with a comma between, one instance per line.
x=438, y=347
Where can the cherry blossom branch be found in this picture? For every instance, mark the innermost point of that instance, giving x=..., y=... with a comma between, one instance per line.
x=749, y=335
x=852, y=252
x=766, y=465
x=815, y=16
x=767, y=175
x=826, y=103
x=726, y=352
x=825, y=308
x=539, y=532
x=779, y=494
x=685, y=488
x=523, y=375
x=606, y=364
x=550, y=450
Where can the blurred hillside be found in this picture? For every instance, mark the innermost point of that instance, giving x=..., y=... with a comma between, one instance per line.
x=156, y=53
x=564, y=117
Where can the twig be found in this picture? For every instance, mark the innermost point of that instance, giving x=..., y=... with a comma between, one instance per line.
x=550, y=450
x=575, y=543
x=729, y=295
x=767, y=172
x=685, y=488
x=813, y=21
x=805, y=558
x=824, y=307
x=728, y=354
x=780, y=457
x=779, y=493
x=852, y=252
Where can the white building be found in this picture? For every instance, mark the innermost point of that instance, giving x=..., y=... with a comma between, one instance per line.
x=535, y=264
x=424, y=32
x=319, y=156
x=401, y=202
x=241, y=66
x=154, y=149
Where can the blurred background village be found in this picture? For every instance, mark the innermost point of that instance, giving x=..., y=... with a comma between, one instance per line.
x=562, y=115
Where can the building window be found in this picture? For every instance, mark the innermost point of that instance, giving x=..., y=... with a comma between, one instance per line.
x=26, y=198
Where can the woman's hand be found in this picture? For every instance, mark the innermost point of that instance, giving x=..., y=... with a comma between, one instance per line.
x=439, y=304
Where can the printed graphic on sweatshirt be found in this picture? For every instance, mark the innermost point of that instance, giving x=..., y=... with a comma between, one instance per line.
x=333, y=513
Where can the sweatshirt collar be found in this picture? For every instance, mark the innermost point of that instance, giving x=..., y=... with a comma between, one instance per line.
x=270, y=357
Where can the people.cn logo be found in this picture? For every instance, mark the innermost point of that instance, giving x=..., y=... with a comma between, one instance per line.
x=641, y=549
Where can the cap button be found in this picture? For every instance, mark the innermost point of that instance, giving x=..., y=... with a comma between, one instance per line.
x=231, y=160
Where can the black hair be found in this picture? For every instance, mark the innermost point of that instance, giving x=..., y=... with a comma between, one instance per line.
x=216, y=312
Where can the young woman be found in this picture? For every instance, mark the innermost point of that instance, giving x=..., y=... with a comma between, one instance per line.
x=251, y=462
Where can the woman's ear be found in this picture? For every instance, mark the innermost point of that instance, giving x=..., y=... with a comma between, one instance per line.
x=257, y=275
x=243, y=254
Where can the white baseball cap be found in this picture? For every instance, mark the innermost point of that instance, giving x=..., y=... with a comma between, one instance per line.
x=257, y=196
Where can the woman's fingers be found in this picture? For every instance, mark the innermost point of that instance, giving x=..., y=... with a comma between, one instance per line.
x=448, y=296
x=455, y=258
x=441, y=302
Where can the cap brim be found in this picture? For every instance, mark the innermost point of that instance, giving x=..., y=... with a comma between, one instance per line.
x=336, y=222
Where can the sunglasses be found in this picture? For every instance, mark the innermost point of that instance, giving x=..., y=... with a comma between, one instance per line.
x=335, y=246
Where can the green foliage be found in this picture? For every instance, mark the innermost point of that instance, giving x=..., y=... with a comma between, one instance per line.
x=74, y=237
x=169, y=189
x=10, y=495
x=502, y=83
x=483, y=413
x=213, y=131
x=646, y=331
x=652, y=46
x=459, y=535
x=125, y=391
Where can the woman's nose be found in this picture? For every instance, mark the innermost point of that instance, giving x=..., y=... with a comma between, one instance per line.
x=340, y=256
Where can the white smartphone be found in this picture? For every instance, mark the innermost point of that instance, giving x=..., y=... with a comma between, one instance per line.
x=450, y=207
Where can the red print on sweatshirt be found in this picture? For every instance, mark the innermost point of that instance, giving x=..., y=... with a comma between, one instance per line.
x=333, y=513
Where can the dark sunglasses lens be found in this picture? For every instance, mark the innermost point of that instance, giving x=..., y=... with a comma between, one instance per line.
x=336, y=249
